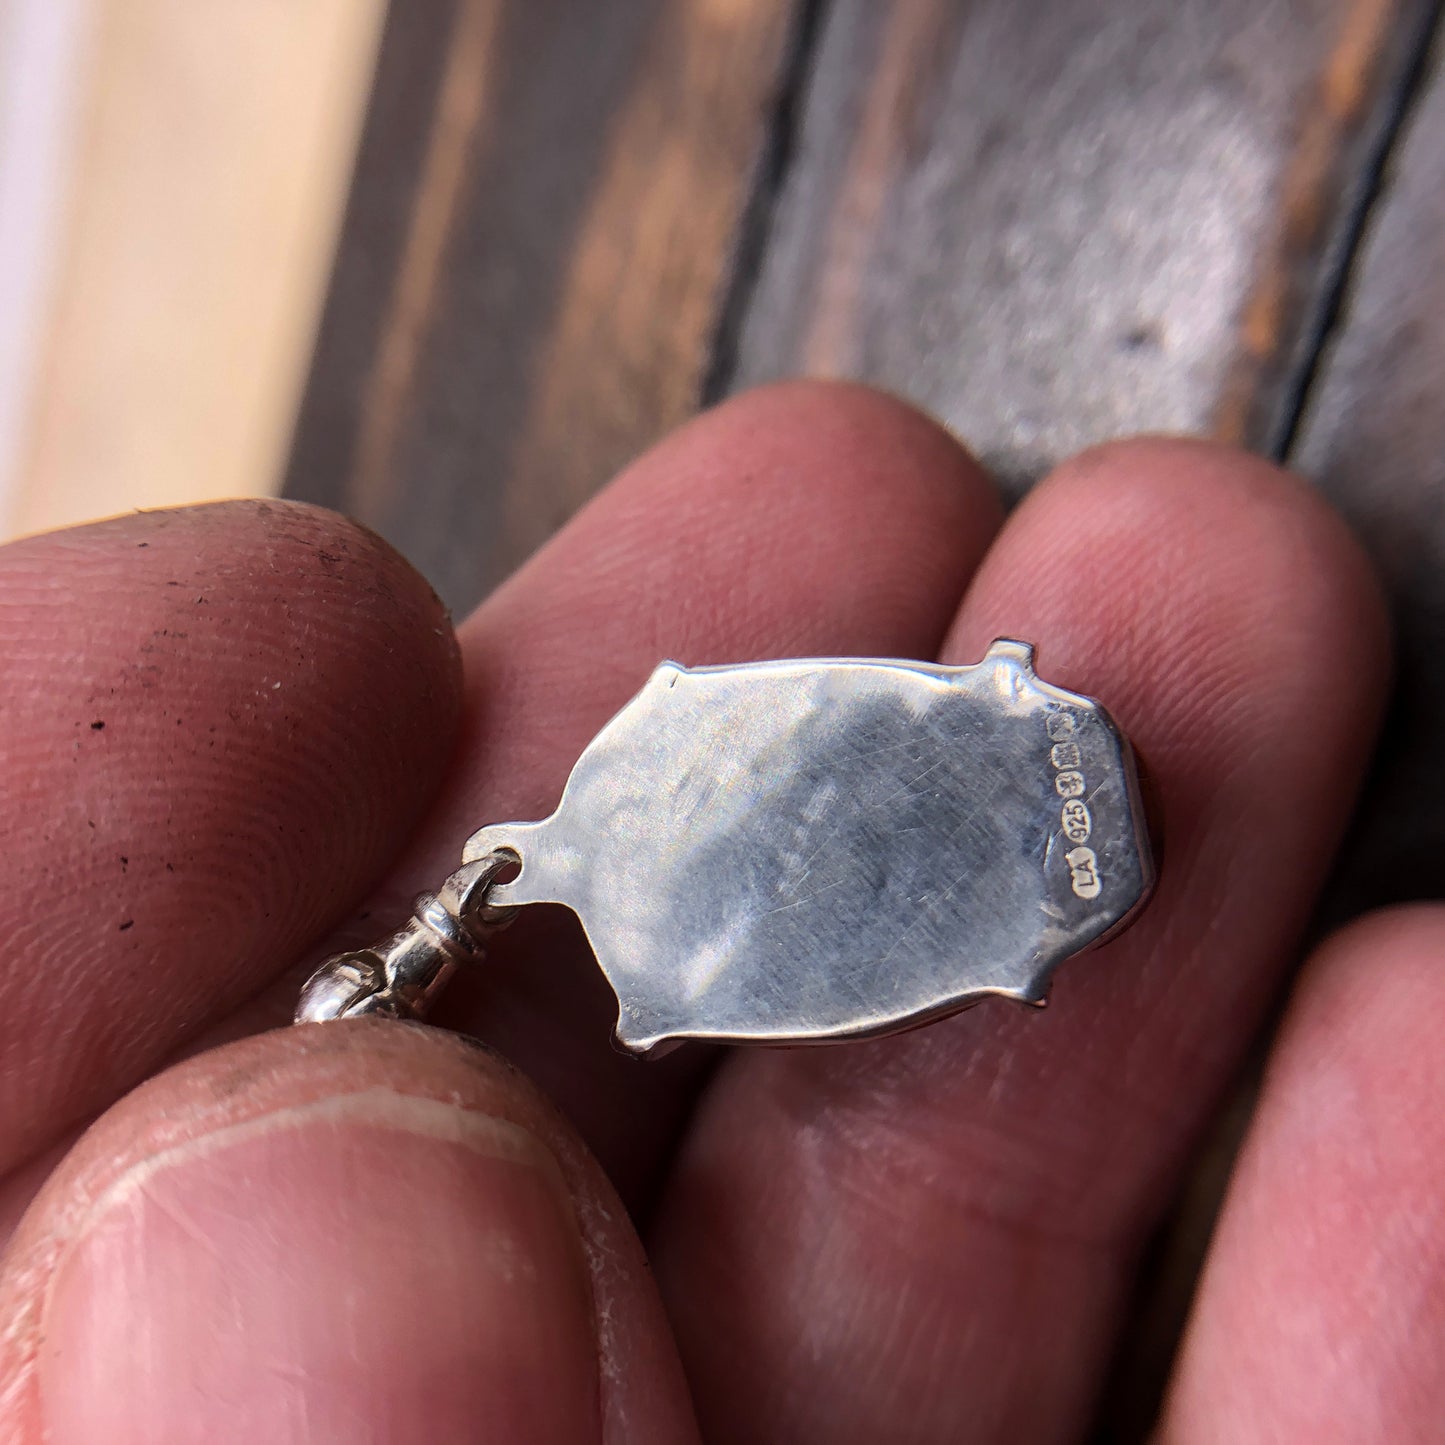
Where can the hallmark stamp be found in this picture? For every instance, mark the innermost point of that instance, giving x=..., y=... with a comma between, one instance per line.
x=1084, y=872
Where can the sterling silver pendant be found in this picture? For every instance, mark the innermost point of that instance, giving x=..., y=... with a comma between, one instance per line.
x=799, y=852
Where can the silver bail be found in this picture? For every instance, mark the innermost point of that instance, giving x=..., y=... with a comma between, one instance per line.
x=401, y=976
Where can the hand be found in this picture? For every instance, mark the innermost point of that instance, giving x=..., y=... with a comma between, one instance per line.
x=227, y=729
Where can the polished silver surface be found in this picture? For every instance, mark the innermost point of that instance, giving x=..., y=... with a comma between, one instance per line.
x=792, y=852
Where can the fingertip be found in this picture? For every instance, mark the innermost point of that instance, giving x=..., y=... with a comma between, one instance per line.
x=1403, y=946
x=1362, y=1016
x=787, y=513
x=1220, y=609
x=844, y=434
x=880, y=480
x=249, y=540
x=1220, y=542
x=324, y=1232
x=1263, y=498
x=1331, y=1247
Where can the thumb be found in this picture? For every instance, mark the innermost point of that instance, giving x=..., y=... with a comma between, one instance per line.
x=363, y=1232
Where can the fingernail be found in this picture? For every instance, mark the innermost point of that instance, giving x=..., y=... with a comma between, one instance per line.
x=371, y=1268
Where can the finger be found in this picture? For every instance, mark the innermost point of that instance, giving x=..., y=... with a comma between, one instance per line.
x=797, y=520
x=363, y=1232
x=1321, y=1314
x=217, y=725
x=931, y=1235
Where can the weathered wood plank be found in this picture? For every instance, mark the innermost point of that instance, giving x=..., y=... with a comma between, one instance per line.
x=1051, y=225
x=1373, y=437
x=1047, y=225
x=545, y=211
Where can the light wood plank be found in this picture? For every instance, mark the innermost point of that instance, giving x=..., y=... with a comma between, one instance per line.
x=210, y=180
x=44, y=48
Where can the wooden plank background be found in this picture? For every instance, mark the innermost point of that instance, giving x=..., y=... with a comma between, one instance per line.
x=1372, y=435
x=541, y=232
x=1048, y=223
x=1051, y=225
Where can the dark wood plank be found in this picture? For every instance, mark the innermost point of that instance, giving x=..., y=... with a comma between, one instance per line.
x=543, y=218
x=1373, y=437
x=1047, y=224
x=1053, y=224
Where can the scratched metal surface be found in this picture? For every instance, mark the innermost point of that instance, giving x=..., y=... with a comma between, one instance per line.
x=838, y=849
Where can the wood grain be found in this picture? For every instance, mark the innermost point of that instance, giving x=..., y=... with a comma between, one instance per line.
x=1373, y=437
x=572, y=194
x=42, y=48
x=461, y=108
x=1047, y=224
x=1322, y=187
x=1051, y=225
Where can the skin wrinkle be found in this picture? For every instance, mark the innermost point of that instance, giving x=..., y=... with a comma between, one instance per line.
x=378, y=1108
x=892, y=1166
x=367, y=1128
x=860, y=1128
